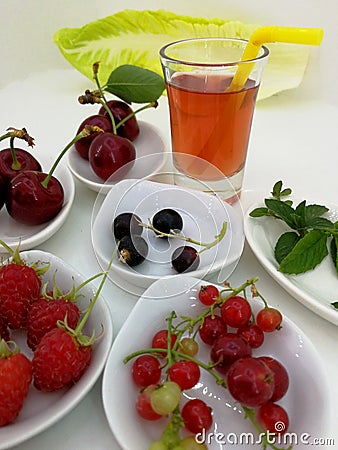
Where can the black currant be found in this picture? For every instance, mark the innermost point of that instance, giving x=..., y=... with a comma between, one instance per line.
x=126, y=224
x=185, y=259
x=167, y=220
x=133, y=250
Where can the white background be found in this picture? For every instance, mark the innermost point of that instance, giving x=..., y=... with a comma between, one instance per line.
x=294, y=138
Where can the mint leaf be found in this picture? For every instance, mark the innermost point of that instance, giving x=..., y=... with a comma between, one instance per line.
x=313, y=211
x=320, y=222
x=281, y=210
x=285, y=245
x=134, y=84
x=259, y=212
x=309, y=251
x=335, y=305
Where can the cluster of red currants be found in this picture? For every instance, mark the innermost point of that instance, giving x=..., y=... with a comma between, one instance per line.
x=229, y=327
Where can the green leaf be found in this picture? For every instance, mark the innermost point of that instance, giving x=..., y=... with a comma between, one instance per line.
x=306, y=254
x=135, y=37
x=281, y=210
x=285, y=245
x=334, y=251
x=313, y=211
x=134, y=84
x=259, y=212
x=320, y=222
x=335, y=305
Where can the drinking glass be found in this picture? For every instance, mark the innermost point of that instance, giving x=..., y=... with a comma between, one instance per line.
x=210, y=114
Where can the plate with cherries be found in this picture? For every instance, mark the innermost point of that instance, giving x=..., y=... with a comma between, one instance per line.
x=134, y=149
x=34, y=201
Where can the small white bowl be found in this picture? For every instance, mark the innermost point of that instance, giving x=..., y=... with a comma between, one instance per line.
x=29, y=236
x=150, y=158
x=41, y=409
x=203, y=216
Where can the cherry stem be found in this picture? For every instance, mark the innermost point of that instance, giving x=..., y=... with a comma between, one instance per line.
x=103, y=100
x=83, y=133
x=174, y=235
x=132, y=114
x=15, y=164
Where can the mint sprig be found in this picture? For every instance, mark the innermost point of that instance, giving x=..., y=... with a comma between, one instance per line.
x=312, y=237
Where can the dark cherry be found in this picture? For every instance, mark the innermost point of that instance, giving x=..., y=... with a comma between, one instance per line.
x=167, y=220
x=108, y=153
x=226, y=349
x=29, y=202
x=130, y=129
x=82, y=145
x=26, y=161
x=2, y=191
x=185, y=259
x=133, y=250
x=126, y=224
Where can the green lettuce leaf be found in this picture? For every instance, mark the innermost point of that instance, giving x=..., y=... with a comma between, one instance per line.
x=135, y=37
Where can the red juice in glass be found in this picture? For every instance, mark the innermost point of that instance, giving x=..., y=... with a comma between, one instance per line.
x=210, y=122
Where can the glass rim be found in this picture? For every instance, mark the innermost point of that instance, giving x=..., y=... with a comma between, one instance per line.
x=225, y=64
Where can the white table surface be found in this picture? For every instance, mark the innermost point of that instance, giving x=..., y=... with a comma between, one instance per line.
x=293, y=139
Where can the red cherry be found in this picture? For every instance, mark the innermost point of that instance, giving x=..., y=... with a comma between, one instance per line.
x=26, y=161
x=129, y=129
x=108, y=153
x=82, y=145
x=2, y=191
x=29, y=202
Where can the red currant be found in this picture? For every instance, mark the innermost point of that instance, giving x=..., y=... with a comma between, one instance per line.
x=250, y=381
x=273, y=417
x=197, y=415
x=227, y=349
x=212, y=327
x=236, y=311
x=269, y=319
x=143, y=405
x=160, y=340
x=146, y=370
x=208, y=294
x=280, y=375
x=185, y=373
x=253, y=334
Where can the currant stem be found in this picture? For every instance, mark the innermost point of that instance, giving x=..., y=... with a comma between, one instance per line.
x=83, y=133
x=206, y=246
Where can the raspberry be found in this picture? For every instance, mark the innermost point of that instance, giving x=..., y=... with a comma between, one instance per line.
x=59, y=360
x=19, y=287
x=15, y=379
x=44, y=314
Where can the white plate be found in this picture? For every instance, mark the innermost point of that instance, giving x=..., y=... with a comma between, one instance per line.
x=307, y=413
x=41, y=410
x=203, y=216
x=29, y=236
x=315, y=289
x=148, y=144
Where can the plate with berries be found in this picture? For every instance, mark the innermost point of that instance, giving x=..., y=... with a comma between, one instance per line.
x=203, y=366
x=149, y=157
x=164, y=230
x=51, y=307
x=35, y=195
